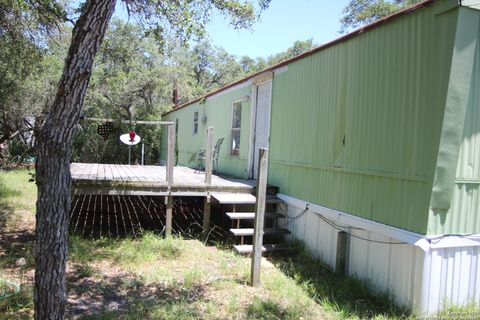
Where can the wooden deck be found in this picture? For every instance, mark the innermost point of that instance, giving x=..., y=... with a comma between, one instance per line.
x=114, y=179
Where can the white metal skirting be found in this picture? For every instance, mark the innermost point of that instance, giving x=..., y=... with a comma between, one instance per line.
x=424, y=278
x=387, y=268
x=451, y=277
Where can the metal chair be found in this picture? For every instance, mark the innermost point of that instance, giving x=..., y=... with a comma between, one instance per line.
x=216, y=152
x=201, y=156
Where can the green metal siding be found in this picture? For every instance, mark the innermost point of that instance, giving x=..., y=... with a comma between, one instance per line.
x=218, y=111
x=463, y=211
x=368, y=125
x=383, y=93
x=187, y=142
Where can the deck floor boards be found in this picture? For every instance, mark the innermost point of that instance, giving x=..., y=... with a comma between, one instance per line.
x=95, y=178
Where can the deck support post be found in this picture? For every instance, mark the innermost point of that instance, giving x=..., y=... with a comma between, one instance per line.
x=209, y=157
x=206, y=217
x=259, y=217
x=168, y=222
x=170, y=154
x=341, y=259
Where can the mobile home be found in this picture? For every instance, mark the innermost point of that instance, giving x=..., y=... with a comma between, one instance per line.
x=376, y=133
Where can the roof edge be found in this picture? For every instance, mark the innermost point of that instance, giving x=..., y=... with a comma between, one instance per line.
x=324, y=46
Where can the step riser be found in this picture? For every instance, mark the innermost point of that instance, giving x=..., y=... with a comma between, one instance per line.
x=243, y=208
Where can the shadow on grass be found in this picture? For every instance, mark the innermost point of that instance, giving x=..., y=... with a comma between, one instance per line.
x=19, y=306
x=346, y=296
x=15, y=243
x=6, y=210
x=268, y=309
x=122, y=296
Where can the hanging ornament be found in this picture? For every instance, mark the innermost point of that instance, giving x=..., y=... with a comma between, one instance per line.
x=130, y=138
x=105, y=129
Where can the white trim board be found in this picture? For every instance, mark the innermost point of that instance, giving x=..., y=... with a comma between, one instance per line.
x=354, y=221
x=257, y=81
x=424, y=242
x=235, y=87
x=280, y=70
x=448, y=241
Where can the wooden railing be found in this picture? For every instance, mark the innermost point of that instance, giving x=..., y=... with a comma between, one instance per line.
x=170, y=140
x=170, y=153
x=209, y=157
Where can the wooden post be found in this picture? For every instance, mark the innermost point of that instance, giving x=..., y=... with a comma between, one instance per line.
x=168, y=223
x=206, y=218
x=209, y=157
x=170, y=154
x=342, y=238
x=259, y=217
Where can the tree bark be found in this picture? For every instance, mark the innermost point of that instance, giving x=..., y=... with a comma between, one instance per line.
x=54, y=150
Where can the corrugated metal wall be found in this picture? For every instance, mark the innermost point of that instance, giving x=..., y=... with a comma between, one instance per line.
x=218, y=112
x=356, y=126
x=451, y=277
x=464, y=213
x=187, y=142
x=389, y=268
x=319, y=237
x=426, y=282
x=392, y=268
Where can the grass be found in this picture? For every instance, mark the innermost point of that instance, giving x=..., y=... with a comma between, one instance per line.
x=344, y=297
x=17, y=190
x=470, y=311
x=17, y=205
x=150, y=277
x=187, y=280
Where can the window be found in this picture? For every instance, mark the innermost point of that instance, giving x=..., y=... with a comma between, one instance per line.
x=195, y=122
x=236, y=125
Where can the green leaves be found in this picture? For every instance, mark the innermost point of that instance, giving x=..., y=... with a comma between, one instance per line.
x=186, y=18
x=362, y=12
x=25, y=27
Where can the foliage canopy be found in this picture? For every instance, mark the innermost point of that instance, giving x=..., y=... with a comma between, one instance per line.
x=361, y=12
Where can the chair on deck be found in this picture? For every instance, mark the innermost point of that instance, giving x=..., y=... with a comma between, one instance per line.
x=202, y=156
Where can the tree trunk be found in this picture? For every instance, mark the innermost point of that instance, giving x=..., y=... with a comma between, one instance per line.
x=54, y=150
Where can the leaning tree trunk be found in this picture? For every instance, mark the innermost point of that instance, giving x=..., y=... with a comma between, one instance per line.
x=54, y=150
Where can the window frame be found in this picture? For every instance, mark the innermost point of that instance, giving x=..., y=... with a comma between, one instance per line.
x=195, y=122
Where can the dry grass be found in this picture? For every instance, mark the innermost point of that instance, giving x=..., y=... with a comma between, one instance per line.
x=150, y=277
x=142, y=278
x=183, y=280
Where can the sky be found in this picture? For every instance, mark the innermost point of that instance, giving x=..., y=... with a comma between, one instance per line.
x=284, y=22
x=280, y=25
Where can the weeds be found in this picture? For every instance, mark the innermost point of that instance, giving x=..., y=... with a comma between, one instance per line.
x=16, y=191
x=192, y=277
x=450, y=311
x=146, y=249
x=267, y=309
x=19, y=305
x=150, y=277
x=344, y=296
